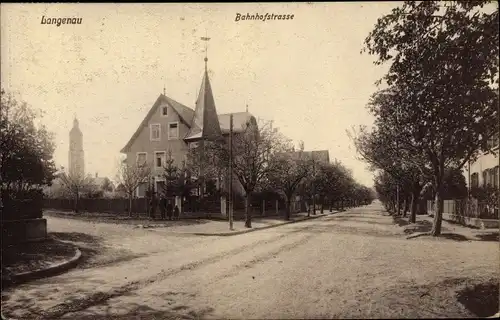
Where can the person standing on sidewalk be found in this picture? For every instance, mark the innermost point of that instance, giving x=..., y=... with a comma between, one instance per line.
x=176, y=213
x=153, y=205
x=163, y=206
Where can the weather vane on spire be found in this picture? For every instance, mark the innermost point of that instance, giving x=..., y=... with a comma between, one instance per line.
x=206, y=38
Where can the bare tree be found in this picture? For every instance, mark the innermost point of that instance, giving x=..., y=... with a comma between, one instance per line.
x=130, y=177
x=252, y=150
x=76, y=184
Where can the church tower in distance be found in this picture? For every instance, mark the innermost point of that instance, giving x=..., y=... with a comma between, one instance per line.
x=75, y=159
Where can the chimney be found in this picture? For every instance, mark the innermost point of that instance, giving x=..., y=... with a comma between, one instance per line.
x=96, y=174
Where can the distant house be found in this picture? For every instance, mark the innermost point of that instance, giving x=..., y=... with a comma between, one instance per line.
x=316, y=157
x=172, y=126
x=99, y=182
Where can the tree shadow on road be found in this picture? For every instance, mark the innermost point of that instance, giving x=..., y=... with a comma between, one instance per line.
x=482, y=299
x=361, y=219
x=457, y=237
x=144, y=312
x=140, y=312
x=454, y=237
x=400, y=221
x=419, y=226
x=490, y=236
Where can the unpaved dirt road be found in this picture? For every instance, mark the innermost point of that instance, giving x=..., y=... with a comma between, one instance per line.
x=355, y=264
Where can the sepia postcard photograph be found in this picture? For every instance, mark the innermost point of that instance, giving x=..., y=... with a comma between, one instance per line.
x=292, y=160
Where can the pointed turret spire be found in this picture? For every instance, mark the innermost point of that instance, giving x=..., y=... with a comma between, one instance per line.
x=205, y=122
x=75, y=121
x=206, y=38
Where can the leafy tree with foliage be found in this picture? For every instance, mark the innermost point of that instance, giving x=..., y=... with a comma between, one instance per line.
x=26, y=149
x=332, y=182
x=488, y=195
x=387, y=149
x=385, y=186
x=177, y=179
x=444, y=71
x=171, y=175
x=289, y=170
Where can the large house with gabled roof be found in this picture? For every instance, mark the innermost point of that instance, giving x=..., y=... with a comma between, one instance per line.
x=171, y=126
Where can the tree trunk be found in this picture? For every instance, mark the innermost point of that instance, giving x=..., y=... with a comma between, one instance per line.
x=322, y=205
x=129, y=205
x=414, y=204
x=438, y=212
x=76, y=202
x=415, y=199
x=406, y=207
x=287, y=211
x=248, y=214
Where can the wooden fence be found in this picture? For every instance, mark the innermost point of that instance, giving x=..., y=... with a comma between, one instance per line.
x=470, y=208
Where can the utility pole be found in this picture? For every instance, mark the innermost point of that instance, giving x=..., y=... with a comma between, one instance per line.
x=313, y=184
x=399, y=160
x=231, y=171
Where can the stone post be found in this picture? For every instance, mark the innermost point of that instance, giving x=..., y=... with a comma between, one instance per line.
x=178, y=203
x=223, y=207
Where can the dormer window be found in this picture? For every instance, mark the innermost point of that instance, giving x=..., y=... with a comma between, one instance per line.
x=164, y=111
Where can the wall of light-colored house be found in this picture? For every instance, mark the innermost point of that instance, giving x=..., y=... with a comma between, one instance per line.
x=484, y=162
x=143, y=142
x=178, y=147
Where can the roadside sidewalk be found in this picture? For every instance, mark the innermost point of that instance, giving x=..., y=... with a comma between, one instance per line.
x=221, y=228
x=453, y=231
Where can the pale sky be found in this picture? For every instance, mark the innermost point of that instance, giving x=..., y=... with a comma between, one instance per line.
x=305, y=74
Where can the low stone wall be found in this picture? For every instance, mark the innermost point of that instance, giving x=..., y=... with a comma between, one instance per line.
x=475, y=222
x=19, y=231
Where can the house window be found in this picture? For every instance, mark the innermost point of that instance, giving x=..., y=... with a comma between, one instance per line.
x=141, y=190
x=164, y=111
x=493, y=141
x=160, y=159
x=474, y=180
x=173, y=130
x=160, y=186
x=485, y=178
x=193, y=145
x=141, y=158
x=155, y=130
